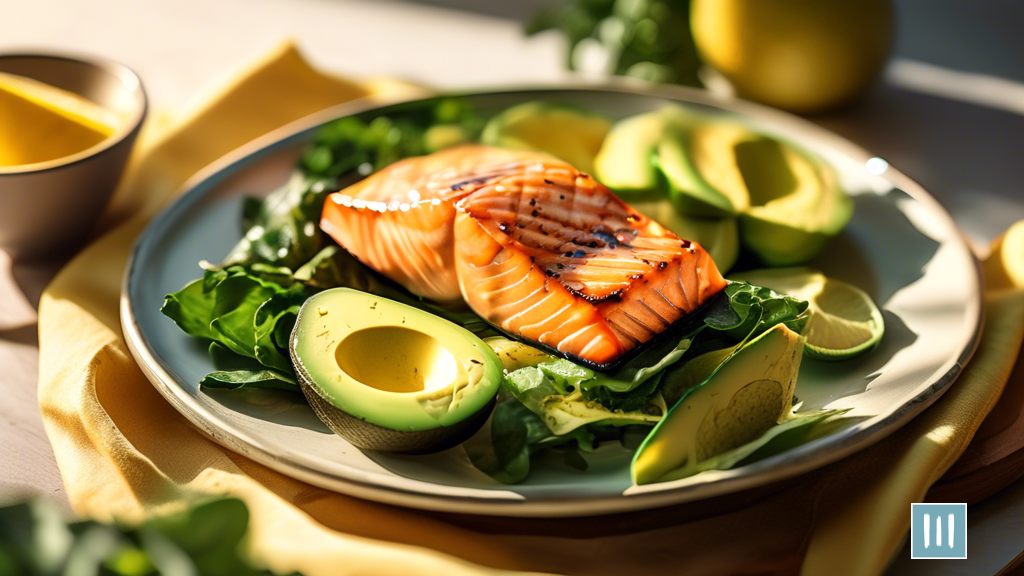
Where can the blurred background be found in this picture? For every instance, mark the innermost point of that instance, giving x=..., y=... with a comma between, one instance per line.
x=956, y=60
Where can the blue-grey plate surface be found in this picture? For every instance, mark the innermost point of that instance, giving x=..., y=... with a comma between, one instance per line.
x=901, y=247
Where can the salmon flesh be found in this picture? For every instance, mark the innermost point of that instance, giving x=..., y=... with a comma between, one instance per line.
x=534, y=246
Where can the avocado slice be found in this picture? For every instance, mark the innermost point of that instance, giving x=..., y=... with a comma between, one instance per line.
x=568, y=132
x=700, y=169
x=747, y=395
x=784, y=229
x=626, y=161
x=387, y=376
x=719, y=236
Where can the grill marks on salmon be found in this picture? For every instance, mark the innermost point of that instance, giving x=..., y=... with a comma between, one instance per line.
x=531, y=244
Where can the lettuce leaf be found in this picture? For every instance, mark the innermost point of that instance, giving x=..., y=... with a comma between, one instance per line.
x=551, y=390
x=740, y=312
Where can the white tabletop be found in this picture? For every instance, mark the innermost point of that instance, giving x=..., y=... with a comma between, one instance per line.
x=958, y=133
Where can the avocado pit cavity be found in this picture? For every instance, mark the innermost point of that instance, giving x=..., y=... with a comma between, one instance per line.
x=397, y=359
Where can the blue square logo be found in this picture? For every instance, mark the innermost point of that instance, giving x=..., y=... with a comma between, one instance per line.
x=938, y=531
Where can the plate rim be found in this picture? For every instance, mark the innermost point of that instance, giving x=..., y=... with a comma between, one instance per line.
x=370, y=486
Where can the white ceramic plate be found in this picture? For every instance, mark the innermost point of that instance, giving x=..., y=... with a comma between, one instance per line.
x=901, y=247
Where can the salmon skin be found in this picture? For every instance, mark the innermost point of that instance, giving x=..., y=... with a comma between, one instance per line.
x=534, y=246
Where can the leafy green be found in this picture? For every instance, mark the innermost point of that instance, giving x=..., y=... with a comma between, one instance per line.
x=512, y=435
x=753, y=309
x=551, y=390
x=283, y=230
x=205, y=540
x=353, y=143
x=648, y=39
x=247, y=317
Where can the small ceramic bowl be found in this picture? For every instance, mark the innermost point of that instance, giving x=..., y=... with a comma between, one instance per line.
x=48, y=208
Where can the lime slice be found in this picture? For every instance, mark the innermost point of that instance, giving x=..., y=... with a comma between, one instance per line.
x=844, y=321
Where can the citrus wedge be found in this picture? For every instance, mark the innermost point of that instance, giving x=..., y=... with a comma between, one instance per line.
x=844, y=321
x=1004, y=268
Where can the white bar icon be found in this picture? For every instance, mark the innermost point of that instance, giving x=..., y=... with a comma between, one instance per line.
x=938, y=531
x=950, y=530
x=927, y=526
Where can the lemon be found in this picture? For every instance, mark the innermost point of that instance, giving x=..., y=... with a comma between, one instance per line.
x=1004, y=267
x=801, y=55
x=844, y=321
x=39, y=122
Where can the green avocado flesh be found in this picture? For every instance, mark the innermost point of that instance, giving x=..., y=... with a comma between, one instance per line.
x=387, y=376
x=787, y=202
x=791, y=226
x=702, y=181
x=567, y=132
x=626, y=161
x=745, y=397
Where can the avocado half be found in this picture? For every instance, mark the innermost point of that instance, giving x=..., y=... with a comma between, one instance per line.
x=744, y=397
x=390, y=377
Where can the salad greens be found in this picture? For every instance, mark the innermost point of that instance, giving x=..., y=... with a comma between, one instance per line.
x=204, y=540
x=283, y=229
x=247, y=317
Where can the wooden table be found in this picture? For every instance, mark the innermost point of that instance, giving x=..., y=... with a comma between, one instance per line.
x=960, y=135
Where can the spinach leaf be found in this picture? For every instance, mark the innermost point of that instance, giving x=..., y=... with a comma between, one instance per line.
x=284, y=229
x=191, y=308
x=512, y=435
x=248, y=318
x=250, y=379
x=551, y=390
x=207, y=539
x=236, y=372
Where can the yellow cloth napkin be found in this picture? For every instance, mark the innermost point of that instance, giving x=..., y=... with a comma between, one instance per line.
x=125, y=453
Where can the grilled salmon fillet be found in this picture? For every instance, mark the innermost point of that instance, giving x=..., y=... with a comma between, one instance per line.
x=534, y=246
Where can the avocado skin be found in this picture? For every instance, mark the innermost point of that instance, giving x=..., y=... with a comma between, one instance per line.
x=369, y=436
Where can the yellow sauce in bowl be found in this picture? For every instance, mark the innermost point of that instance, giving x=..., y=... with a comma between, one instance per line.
x=40, y=123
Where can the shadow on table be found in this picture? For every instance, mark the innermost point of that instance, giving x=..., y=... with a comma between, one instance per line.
x=21, y=286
